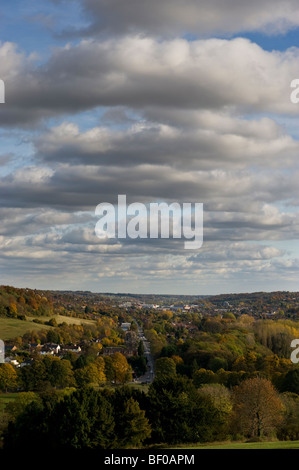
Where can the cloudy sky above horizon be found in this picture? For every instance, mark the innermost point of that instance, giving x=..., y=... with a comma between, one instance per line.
x=174, y=101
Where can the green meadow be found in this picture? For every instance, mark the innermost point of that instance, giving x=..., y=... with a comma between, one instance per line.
x=12, y=327
x=6, y=398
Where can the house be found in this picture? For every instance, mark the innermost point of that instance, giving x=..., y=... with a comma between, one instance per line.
x=10, y=348
x=12, y=361
x=33, y=346
x=125, y=326
x=110, y=350
x=50, y=348
x=150, y=306
x=126, y=305
x=72, y=348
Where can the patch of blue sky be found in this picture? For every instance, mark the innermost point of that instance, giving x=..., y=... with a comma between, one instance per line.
x=289, y=206
x=19, y=150
x=270, y=42
x=38, y=26
x=289, y=124
x=84, y=120
x=117, y=118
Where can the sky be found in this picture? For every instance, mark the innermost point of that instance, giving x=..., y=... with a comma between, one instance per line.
x=162, y=101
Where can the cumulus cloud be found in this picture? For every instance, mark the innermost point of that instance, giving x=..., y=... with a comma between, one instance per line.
x=220, y=265
x=141, y=73
x=212, y=140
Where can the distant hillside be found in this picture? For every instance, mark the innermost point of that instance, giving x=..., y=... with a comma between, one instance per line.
x=18, y=303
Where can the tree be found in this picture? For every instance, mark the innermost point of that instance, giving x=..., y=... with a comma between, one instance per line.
x=229, y=316
x=59, y=372
x=100, y=365
x=140, y=348
x=93, y=373
x=221, y=400
x=29, y=429
x=203, y=376
x=52, y=322
x=246, y=362
x=82, y=419
x=34, y=376
x=291, y=382
x=133, y=426
x=138, y=364
x=109, y=371
x=290, y=426
x=8, y=377
x=80, y=362
x=122, y=371
x=53, y=337
x=177, y=360
x=18, y=405
x=257, y=408
x=165, y=367
x=134, y=327
x=220, y=396
x=179, y=414
x=217, y=363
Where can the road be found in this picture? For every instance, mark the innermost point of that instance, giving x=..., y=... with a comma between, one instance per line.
x=149, y=376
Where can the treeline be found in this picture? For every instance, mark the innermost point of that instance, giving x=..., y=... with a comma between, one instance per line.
x=226, y=342
x=22, y=302
x=258, y=300
x=105, y=329
x=70, y=368
x=173, y=411
x=48, y=372
x=281, y=373
x=17, y=303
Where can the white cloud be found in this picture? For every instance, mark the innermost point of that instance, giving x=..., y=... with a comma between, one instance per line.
x=143, y=73
x=211, y=141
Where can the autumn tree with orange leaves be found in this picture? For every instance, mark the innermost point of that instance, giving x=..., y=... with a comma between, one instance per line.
x=258, y=410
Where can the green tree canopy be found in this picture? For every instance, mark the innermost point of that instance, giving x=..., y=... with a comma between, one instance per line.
x=165, y=367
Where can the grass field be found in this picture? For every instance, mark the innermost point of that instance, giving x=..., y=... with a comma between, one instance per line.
x=65, y=319
x=141, y=387
x=6, y=398
x=245, y=445
x=11, y=327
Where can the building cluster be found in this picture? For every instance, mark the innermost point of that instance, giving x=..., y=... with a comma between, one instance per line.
x=51, y=349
